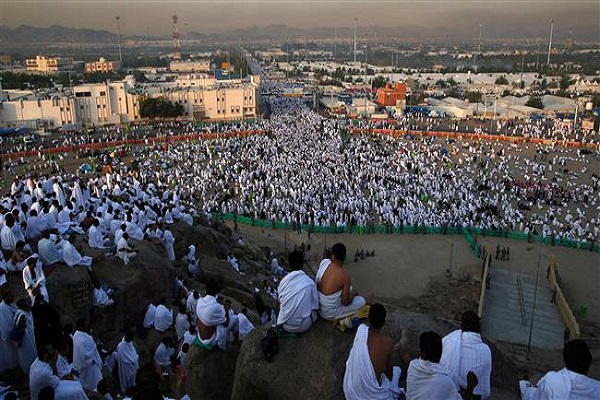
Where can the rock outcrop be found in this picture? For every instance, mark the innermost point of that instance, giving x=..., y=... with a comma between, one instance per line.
x=210, y=374
x=312, y=365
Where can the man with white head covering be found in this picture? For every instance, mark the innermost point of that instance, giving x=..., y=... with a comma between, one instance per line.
x=86, y=358
x=128, y=358
x=163, y=317
x=71, y=256
x=168, y=241
x=244, y=324
x=213, y=319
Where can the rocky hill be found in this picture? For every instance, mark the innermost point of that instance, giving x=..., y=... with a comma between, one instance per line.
x=310, y=365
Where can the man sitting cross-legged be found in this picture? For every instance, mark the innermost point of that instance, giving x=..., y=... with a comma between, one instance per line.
x=427, y=379
x=298, y=297
x=336, y=298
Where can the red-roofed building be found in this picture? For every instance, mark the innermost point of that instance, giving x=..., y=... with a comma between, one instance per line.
x=392, y=95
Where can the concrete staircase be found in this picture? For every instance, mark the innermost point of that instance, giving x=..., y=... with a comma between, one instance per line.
x=508, y=309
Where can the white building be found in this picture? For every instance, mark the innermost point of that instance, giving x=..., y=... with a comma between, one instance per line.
x=51, y=64
x=38, y=113
x=105, y=103
x=220, y=102
x=102, y=66
x=190, y=66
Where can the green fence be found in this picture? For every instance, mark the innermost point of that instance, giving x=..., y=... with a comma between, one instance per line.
x=468, y=232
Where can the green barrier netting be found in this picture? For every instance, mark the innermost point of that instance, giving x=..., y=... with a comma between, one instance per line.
x=471, y=242
x=408, y=229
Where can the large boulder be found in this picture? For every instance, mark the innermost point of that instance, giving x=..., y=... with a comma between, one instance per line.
x=147, y=278
x=210, y=373
x=223, y=273
x=312, y=365
x=70, y=291
x=206, y=240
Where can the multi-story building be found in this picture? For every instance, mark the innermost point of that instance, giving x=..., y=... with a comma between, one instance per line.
x=5, y=59
x=105, y=103
x=49, y=113
x=190, y=66
x=102, y=66
x=51, y=64
x=392, y=95
x=119, y=102
x=220, y=102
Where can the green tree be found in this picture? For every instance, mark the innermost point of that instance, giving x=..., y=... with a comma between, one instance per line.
x=379, y=81
x=100, y=77
x=535, y=102
x=473, y=97
x=501, y=80
x=160, y=108
x=564, y=82
x=139, y=76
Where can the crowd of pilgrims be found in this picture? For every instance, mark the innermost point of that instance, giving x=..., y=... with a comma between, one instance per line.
x=305, y=171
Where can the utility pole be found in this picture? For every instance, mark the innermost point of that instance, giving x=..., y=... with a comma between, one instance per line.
x=355, y=20
x=537, y=274
x=334, y=42
x=550, y=42
x=119, y=40
x=480, y=35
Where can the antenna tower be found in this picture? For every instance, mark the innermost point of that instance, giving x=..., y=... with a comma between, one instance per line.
x=176, y=40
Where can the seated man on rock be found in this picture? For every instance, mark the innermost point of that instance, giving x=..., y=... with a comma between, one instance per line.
x=213, y=319
x=464, y=351
x=427, y=379
x=298, y=297
x=336, y=298
x=570, y=382
x=369, y=372
x=48, y=251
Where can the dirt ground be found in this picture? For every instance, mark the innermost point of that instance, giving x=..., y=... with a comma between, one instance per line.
x=407, y=266
x=409, y=271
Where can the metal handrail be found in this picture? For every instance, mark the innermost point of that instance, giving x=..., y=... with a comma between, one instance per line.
x=521, y=301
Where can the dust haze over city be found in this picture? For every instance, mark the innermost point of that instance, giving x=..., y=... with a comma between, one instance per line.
x=454, y=19
x=284, y=200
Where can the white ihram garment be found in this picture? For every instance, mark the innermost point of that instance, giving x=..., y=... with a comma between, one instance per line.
x=299, y=302
x=360, y=381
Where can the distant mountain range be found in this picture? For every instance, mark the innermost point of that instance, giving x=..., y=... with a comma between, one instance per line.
x=53, y=34
x=57, y=34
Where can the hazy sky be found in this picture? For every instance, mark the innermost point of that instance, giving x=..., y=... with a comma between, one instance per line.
x=208, y=16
